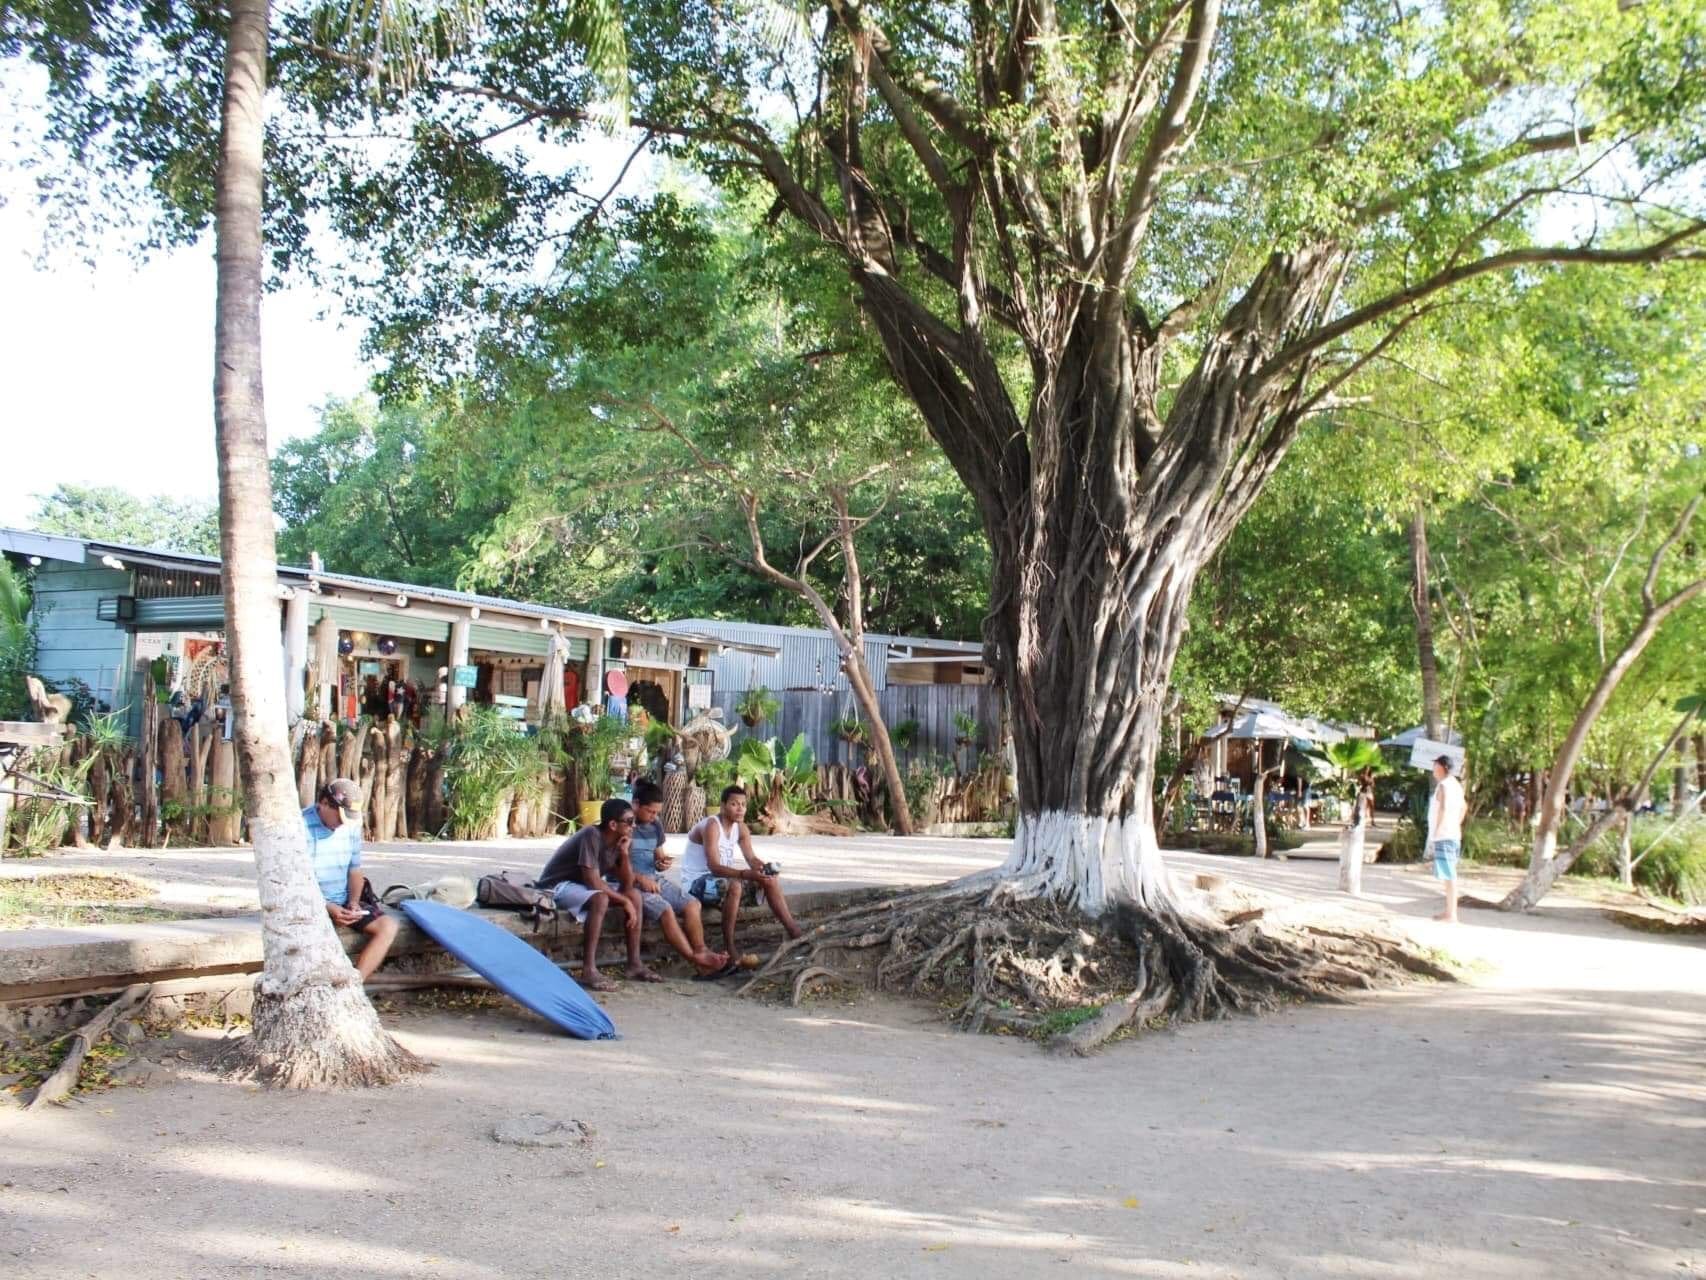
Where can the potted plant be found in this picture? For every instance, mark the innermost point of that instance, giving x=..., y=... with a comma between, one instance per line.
x=713, y=776
x=966, y=728
x=756, y=706
x=904, y=735
x=591, y=746
x=851, y=730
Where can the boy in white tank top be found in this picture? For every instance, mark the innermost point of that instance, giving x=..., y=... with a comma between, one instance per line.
x=710, y=872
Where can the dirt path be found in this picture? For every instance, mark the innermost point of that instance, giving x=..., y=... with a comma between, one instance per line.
x=1548, y=1121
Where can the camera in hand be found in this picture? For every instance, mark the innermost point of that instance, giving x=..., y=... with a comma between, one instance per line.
x=772, y=868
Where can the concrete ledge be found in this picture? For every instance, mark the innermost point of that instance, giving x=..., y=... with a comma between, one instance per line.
x=43, y=963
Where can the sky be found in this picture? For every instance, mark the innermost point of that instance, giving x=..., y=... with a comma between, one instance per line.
x=108, y=371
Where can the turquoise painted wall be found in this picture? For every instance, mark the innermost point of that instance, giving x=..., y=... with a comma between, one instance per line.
x=74, y=642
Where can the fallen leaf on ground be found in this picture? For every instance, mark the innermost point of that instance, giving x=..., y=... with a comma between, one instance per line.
x=1130, y=1202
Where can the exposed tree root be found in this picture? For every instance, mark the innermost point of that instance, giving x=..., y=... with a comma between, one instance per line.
x=1001, y=961
x=325, y=1036
x=58, y=1086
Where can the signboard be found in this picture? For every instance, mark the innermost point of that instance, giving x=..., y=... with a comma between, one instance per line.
x=650, y=652
x=464, y=677
x=150, y=645
x=1424, y=752
x=699, y=697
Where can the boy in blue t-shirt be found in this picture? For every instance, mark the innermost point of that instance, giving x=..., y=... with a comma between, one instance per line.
x=334, y=848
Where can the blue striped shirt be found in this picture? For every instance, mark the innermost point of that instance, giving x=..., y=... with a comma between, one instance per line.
x=333, y=853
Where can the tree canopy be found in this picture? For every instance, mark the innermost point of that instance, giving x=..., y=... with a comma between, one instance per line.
x=111, y=514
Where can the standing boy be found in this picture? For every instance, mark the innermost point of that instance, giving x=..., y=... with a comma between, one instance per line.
x=1445, y=832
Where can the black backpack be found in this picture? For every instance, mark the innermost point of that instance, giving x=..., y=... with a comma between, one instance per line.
x=501, y=893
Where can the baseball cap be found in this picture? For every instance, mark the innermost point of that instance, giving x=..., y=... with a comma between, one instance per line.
x=345, y=794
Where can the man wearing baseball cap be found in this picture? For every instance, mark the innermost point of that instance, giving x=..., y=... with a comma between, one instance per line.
x=334, y=845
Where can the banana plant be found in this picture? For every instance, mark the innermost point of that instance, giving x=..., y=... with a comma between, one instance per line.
x=767, y=769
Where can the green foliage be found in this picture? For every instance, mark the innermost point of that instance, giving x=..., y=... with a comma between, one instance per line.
x=591, y=747
x=1353, y=755
x=108, y=514
x=1669, y=856
x=852, y=729
x=714, y=775
x=381, y=493
x=486, y=761
x=923, y=777
x=904, y=735
x=758, y=705
x=966, y=727
x=766, y=768
x=18, y=641
x=39, y=825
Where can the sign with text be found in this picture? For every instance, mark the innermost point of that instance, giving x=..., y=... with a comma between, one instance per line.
x=464, y=677
x=1425, y=752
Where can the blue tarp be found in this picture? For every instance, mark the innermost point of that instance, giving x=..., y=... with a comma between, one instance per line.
x=516, y=969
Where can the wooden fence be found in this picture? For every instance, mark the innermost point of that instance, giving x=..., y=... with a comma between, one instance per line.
x=933, y=706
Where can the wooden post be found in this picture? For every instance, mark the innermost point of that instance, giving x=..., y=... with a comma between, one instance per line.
x=174, y=785
x=150, y=797
x=455, y=697
x=223, y=823
x=295, y=653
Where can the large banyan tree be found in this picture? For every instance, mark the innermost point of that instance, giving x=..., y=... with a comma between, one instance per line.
x=1115, y=253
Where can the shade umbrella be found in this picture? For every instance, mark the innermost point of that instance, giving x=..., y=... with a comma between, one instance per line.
x=325, y=664
x=1409, y=736
x=1263, y=726
x=551, y=686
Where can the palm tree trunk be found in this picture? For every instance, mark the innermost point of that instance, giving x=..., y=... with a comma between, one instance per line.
x=313, y=1024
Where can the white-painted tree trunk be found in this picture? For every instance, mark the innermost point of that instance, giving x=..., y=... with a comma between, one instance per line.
x=312, y=1020
x=1351, y=847
x=1089, y=860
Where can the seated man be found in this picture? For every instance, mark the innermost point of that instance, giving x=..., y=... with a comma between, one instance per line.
x=649, y=859
x=590, y=872
x=709, y=873
x=334, y=847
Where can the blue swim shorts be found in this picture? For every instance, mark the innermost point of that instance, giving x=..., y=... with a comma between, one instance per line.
x=1445, y=859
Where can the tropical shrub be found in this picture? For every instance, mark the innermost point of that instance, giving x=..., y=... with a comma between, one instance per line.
x=767, y=769
x=17, y=642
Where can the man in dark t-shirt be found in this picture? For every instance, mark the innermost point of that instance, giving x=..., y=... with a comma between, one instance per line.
x=590, y=872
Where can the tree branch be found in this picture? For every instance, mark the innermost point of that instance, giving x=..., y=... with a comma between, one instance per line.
x=1667, y=249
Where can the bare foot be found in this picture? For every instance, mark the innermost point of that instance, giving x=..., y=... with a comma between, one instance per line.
x=711, y=961
x=593, y=980
x=639, y=973
x=1446, y=918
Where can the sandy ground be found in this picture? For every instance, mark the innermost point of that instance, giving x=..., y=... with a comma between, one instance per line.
x=225, y=878
x=1547, y=1120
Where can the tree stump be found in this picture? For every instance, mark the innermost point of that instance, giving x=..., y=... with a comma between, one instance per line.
x=174, y=781
x=224, y=821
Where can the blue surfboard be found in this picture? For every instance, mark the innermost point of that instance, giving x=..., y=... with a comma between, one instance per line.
x=514, y=968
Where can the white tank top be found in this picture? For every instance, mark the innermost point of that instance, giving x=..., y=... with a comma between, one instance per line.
x=693, y=861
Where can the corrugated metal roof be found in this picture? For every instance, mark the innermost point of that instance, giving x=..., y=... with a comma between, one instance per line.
x=21, y=541
x=808, y=657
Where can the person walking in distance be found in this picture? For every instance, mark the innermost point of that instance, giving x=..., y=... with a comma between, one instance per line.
x=1355, y=836
x=1445, y=832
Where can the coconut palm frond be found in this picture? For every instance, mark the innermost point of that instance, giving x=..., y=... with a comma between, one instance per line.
x=399, y=41
x=1353, y=755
